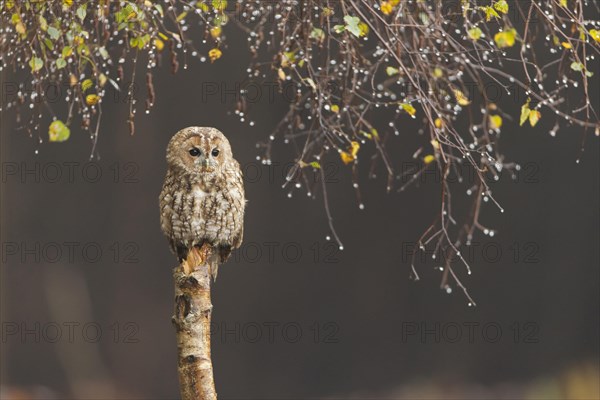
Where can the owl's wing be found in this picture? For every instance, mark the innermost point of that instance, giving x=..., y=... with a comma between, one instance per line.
x=237, y=239
x=225, y=251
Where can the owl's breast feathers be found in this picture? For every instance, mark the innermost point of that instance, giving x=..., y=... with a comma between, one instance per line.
x=195, y=211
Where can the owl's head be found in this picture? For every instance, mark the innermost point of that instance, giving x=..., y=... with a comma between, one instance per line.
x=199, y=151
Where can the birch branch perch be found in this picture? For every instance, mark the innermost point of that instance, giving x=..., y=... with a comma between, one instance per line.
x=191, y=319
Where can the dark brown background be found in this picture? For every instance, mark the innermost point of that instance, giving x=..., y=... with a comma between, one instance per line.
x=359, y=298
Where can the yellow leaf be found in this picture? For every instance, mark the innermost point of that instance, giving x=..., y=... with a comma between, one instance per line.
x=92, y=99
x=58, y=131
x=355, y=146
x=495, y=121
x=281, y=74
x=386, y=7
x=409, y=109
x=461, y=98
x=489, y=13
x=346, y=157
x=287, y=58
x=214, y=54
x=102, y=80
x=350, y=155
x=534, y=117
x=363, y=29
x=219, y=5
x=335, y=108
x=20, y=28
x=86, y=84
x=567, y=45
x=159, y=44
x=505, y=38
x=502, y=6
x=428, y=159
x=563, y=3
x=438, y=73
x=595, y=34
x=438, y=123
x=215, y=32
x=181, y=16
x=327, y=12
x=435, y=144
x=390, y=71
x=555, y=40
x=374, y=133
x=525, y=111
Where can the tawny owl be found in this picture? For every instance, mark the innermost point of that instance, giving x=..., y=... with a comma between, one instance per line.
x=202, y=198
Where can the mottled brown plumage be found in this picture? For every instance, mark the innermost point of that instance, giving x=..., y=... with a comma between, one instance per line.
x=202, y=199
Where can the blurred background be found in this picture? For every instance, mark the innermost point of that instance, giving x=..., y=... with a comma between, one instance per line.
x=87, y=292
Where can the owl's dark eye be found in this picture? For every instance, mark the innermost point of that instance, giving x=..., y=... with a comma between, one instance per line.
x=215, y=152
x=194, y=152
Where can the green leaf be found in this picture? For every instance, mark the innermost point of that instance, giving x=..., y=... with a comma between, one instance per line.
x=43, y=23
x=58, y=131
x=352, y=25
x=339, y=28
x=577, y=66
x=53, y=32
x=317, y=34
x=391, y=71
x=525, y=111
x=315, y=164
x=60, y=63
x=475, y=33
x=67, y=51
x=143, y=41
x=48, y=43
x=83, y=49
x=36, y=64
x=81, y=12
x=103, y=52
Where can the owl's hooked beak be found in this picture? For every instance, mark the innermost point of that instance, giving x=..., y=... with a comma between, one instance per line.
x=207, y=165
